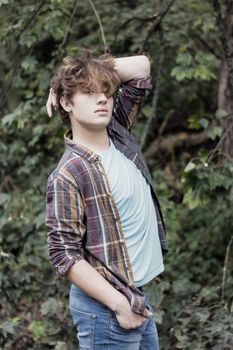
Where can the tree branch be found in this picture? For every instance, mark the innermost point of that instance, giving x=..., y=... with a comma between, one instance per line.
x=222, y=138
x=156, y=91
x=141, y=19
x=155, y=25
x=69, y=25
x=100, y=24
x=156, y=20
x=30, y=19
x=225, y=267
x=179, y=140
x=206, y=45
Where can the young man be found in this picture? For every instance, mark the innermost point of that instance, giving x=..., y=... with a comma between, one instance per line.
x=107, y=234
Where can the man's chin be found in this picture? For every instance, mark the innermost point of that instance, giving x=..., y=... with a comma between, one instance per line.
x=98, y=127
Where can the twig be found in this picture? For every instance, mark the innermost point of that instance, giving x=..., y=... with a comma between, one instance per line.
x=156, y=20
x=140, y=19
x=225, y=267
x=156, y=91
x=14, y=70
x=13, y=75
x=156, y=25
x=31, y=18
x=69, y=25
x=206, y=45
x=164, y=123
x=222, y=138
x=100, y=24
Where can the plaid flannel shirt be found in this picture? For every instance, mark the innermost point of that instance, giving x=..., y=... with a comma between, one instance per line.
x=81, y=213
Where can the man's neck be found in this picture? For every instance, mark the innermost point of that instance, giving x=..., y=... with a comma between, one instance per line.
x=95, y=140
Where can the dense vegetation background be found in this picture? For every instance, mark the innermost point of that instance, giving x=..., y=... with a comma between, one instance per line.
x=184, y=128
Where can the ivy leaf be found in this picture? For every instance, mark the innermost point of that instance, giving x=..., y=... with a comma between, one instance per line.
x=202, y=314
x=38, y=329
x=189, y=167
x=8, y=327
x=214, y=132
x=194, y=122
x=221, y=113
x=51, y=307
x=204, y=122
x=183, y=287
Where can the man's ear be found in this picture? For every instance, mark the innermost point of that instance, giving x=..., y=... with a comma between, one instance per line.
x=65, y=104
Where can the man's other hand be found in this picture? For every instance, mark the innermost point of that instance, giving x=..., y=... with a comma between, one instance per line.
x=51, y=103
x=126, y=317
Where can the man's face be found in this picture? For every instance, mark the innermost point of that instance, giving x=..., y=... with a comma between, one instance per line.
x=91, y=111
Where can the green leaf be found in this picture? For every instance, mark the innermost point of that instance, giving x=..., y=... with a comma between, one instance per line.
x=204, y=122
x=60, y=346
x=184, y=58
x=201, y=314
x=8, y=327
x=38, y=329
x=214, y=132
x=209, y=294
x=4, y=199
x=189, y=167
x=8, y=119
x=183, y=286
x=51, y=307
x=221, y=113
x=4, y=2
x=194, y=122
x=208, y=25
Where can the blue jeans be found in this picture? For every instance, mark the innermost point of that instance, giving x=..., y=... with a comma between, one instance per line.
x=98, y=328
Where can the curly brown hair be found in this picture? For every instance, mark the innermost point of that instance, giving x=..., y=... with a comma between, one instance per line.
x=85, y=74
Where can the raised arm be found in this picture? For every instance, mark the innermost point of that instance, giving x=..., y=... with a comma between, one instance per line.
x=132, y=67
x=134, y=72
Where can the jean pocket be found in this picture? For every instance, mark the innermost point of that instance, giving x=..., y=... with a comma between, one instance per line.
x=85, y=323
x=115, y=323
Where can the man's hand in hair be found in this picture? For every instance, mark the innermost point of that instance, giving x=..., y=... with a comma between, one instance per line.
x=51, y=103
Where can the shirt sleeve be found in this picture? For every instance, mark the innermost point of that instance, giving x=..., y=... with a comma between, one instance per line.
x=128, y=99
x=64, y=217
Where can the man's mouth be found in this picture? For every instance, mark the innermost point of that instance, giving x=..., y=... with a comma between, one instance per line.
x=101, y=110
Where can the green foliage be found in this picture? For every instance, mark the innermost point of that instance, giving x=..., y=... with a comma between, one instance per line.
x=190, y=308
x=38, y=329
x=193, y=67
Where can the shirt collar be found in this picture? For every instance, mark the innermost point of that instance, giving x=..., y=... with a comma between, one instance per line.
x=80, y=149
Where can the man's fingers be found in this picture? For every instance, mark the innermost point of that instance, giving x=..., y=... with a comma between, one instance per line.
x=49, y=108
x=51, y=103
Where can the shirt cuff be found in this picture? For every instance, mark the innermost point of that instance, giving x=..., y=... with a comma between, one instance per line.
x=63, y=269
x=140, y=83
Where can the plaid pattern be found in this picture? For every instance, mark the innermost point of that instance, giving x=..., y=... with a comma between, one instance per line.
x=81, y=213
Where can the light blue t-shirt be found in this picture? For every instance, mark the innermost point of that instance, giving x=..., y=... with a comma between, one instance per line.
x=132, y=195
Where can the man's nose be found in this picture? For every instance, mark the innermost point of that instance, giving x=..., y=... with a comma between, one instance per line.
x=102, y=99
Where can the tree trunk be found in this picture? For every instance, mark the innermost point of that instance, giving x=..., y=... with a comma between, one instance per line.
x=225, y=101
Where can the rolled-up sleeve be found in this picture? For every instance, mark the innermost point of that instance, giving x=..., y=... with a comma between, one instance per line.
x=64, y=217
x=128, y=99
